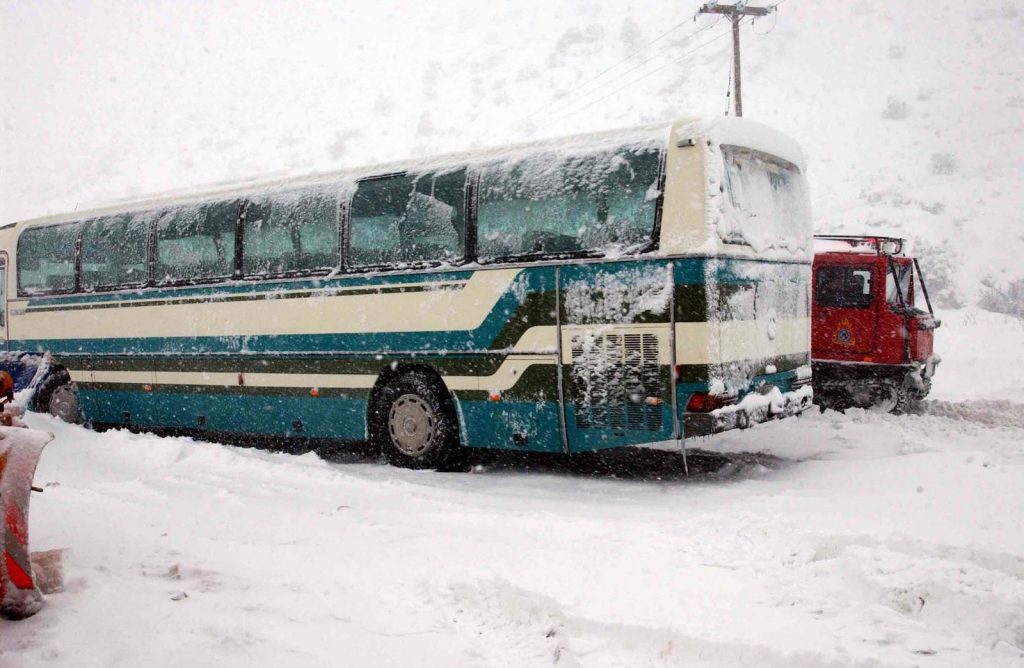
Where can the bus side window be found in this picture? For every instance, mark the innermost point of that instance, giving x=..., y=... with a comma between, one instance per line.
x=632, y=195
x=115, y=251
x=46, y=259
x=196, y=242
x=409, y=219
x=289, y=232
x=550, y=204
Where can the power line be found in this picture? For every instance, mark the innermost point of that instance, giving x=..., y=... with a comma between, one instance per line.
x=676, y=61
x=775, y=20
x=584, y=84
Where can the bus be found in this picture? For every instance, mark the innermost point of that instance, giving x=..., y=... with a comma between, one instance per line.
x=627, y=288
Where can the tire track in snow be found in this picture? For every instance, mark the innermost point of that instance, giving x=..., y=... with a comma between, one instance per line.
x=991, y=413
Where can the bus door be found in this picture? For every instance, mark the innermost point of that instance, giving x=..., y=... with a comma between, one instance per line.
x=614, y=334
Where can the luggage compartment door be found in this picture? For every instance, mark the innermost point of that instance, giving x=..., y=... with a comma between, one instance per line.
x=615, y=336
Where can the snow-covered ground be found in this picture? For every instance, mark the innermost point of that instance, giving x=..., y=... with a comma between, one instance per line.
x=858, y=539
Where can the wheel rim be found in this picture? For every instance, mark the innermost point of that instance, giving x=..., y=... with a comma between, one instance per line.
x=412, y=424
x=64, y=404
x=888, y=400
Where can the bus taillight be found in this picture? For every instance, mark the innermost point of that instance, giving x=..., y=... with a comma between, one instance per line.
x=705, y=402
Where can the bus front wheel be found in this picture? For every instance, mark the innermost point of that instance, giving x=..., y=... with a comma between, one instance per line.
x=415, y=424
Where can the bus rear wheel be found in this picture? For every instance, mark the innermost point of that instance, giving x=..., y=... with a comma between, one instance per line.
x=57, y=396
x=64, y=404
x=415, y=425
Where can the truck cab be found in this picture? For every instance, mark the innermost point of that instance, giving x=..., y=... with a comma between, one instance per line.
x=871, y=343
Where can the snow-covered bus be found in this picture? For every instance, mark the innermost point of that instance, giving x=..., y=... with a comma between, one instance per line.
x=619, y=289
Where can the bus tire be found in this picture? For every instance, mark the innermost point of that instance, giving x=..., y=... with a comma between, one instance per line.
x=64, y=404
x=415, y=423
x=58, y=377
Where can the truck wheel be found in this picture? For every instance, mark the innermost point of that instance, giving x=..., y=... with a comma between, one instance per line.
x=415, y=425
x=893, y=398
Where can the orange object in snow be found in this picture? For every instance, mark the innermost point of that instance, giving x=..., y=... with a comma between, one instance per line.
x=19, y=455
x=6, y=387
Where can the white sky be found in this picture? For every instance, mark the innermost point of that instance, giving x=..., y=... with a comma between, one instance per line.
x=104, y=100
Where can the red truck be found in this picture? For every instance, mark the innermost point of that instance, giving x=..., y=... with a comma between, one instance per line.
x=871, y=346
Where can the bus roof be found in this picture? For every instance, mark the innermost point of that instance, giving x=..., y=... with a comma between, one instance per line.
x=726, y=130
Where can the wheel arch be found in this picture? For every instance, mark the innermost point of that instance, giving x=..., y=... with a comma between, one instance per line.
x=374, y=418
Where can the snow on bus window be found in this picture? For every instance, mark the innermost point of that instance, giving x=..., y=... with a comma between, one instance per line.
x=196, y=242
x=46, y=259
x=292, y=231
x=115, y=251
x=409, y=218
x=767, y=203
x=552, y=203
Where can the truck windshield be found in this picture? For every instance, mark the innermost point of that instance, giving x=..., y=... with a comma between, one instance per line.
x=767, y=202
x=905, y=274
x=843, y=287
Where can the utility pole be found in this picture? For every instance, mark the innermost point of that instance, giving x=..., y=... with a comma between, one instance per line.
x=736, y=12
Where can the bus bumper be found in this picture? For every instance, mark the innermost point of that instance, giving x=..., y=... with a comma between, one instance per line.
x=754, y=408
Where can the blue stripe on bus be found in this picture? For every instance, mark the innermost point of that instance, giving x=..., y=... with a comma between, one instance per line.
x=250, y=287
x=687, y=271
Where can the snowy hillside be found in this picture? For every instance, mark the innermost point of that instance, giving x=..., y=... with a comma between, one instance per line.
x=911, y=115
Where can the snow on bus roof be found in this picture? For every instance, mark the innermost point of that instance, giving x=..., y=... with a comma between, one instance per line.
x=732, y=131
x=652, y=135
x=742, y=132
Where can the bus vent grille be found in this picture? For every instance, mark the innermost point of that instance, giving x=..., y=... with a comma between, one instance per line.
x=617, y=382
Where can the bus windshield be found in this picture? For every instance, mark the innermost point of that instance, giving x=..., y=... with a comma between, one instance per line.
x=766, y=202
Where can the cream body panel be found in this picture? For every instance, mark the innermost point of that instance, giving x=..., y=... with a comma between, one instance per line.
x=449, y=308
x=737, y=340
x=683, y=207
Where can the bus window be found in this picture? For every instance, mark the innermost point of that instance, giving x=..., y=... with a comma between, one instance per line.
x=409, y=218
x=766, y=204
x=843, y=287
x=288, y=232
x=46, y=259
x=551, y=204
x=196, y=242
x=115, y=251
